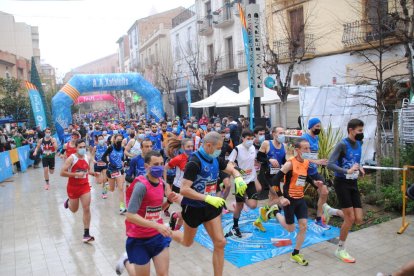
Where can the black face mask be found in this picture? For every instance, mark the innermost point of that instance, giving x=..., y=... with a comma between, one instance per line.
x=359, y=137
x=118, y=144
x=316, y=131
x=132, y=135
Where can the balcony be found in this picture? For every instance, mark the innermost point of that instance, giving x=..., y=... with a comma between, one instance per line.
x=223, y=17
x=288, y=50
x=361, y=32
x=226, y=63
x=205, y=25
x=184, y=16
x=181, y=83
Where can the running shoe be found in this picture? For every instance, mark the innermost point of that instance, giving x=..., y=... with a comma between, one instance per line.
x=259, y=226
x=66, y=204
x=167, y=213
x=298, y=258
x=322, y=225
x=122, y=209
x=272, y=211
x=263, y=213
x=326, y=214
x=88, y=238
x=173, y=220
x=120, y=264
x=234, y=231
x=344, y=256
x=46, y=186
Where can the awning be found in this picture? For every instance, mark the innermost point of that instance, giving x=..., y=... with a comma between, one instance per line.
x=222, y=94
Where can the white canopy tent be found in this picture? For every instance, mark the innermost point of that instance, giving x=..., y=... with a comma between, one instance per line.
x=223, y=94
x=243, y=98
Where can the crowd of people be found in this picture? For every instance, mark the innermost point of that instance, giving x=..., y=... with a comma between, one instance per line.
x=195, y=163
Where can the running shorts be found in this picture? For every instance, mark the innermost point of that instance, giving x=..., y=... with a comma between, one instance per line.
x=140, y=251
x=195, y=216
x=347, y=193
x=99, y=168
x=251, y=193
x=109, y=173
x=48, y=163
x=297, y=208
x=76, y=191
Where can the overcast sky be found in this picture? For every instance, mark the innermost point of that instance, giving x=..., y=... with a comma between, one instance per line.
x=73, y=33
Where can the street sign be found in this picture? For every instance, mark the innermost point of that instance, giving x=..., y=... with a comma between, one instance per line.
x=270, y=82
x=255, y=49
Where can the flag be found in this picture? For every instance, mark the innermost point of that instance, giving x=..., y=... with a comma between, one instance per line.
x=37, y=105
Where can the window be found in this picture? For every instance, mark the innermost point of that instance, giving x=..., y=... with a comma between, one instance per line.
x=210, y=56
x=297, y=32
x=207, y=6
x=177, y=46
x=189, y=40
x=229, y=57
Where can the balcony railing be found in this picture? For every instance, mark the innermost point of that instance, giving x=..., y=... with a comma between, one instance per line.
x=227, y=62
x=223, y=17
x=183, y=16
x=366, y=31
x=181, y=82
x=205, y=25
x=287, y=49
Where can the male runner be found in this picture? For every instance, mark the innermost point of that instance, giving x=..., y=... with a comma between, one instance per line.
x=137, y=164
x=48, y=146
x=295, y=172
x=243, y=156
x=200, y=203
x=314, y=127
x=345, y=162
x=100, y=165
x=76, y=168
x=148, y=238
x=155, y=137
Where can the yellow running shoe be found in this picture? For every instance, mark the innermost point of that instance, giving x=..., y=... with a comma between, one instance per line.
x=298, y=258
x=259, y=226
x=271, y=212
x=344, y=256
x=327, y=216
x=263, y=213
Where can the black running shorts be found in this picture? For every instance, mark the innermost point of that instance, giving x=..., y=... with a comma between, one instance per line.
x=298, y=208
x=251, y=193
x=347, y=193
x=195, y=216
x=48, y=163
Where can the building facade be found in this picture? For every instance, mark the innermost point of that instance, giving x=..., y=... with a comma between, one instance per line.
x=48, y=76
x=18, y=44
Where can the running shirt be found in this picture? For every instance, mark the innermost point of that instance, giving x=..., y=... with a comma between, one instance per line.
x=79, y=165
x=146, y=201
x=47, y=148
x=314, y=147
x=178, y=163
x=156, y=139
x=245, y=159
x=70, y=150
x=99, y=151
x=136, y=148
x=116, y=158
x=136, y=166
x=278, y=154
x=295, y=179
x=351, y=156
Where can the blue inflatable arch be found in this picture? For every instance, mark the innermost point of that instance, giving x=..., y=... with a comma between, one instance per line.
x=80, y=84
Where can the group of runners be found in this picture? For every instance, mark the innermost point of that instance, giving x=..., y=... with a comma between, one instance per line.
x=155, y=165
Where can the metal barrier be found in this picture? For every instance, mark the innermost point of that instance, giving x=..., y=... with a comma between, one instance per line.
x=404, y=223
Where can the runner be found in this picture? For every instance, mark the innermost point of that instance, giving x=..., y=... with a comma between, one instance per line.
x=224, y=179
x=76, y=168
x=155, y=137
x=295, y=172
x=244, y=156
x=314, y=127
x=148, y=238
x=100, y=165
x=115, y=172
x=272, y=156
x=48, y=147
x=178, y=163
x=200, y=203
x=137, y=164
x=345, y=162
x=70, y=147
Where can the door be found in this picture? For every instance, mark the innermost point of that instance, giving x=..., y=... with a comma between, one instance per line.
x=297, y=32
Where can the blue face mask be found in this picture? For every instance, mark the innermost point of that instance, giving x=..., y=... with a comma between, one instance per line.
x=157, y=171
x=81, y=151
x=262, y=138
x=215, y=154
x=188, y=152
x=141, y=136
x=281, y=139
x=115, y=132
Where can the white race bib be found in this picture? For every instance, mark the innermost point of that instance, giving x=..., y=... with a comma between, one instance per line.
x=352, y=176
x=274, y=170
x=301, y=181
x=153, y=213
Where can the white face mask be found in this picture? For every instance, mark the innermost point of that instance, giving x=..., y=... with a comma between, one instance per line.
x=227, y=135
x=248, y=143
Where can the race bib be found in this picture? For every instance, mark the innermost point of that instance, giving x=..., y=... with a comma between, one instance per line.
x=274, y=170
x=211, y=188
x=85, y=174
x=301, y=181
x=115, y=174
x=47, y=152
x=352, y=176
x=153, y=213
x=101, y=164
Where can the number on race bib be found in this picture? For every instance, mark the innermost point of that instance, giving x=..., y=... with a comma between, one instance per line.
x=153, y=213
x=211, y=188
x=101, y=164
x=274, y=170
x=301, y=181
x=115, y=174
x=353, y=175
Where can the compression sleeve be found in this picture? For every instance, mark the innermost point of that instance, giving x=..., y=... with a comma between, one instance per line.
x=340, y=150
x=106, y=153
x=276, y=182
x=262, y=158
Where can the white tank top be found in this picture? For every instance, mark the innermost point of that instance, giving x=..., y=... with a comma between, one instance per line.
x=136, y=148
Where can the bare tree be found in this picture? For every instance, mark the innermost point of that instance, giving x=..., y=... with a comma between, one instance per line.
x=282, y=55
x=375, y=40
x=165, y=76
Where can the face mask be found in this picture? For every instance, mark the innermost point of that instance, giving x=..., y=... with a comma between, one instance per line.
x=104, y=133
x=248, y=143
x=147, y=132
x=188, y=152
x=164, y=130
x=154, y=131
x=306, y=155
x=47, y=135
x=261, y=138
x=141, y=136
x=175, y=129
x=118, y=144
x=218, y=129
x=168, y=124
x=359, y=136
x=132, y=135
x=115, y=131
x=215, y=154
x=157, y=171
x=227, y=136
x=281, y=139
x=81, y=151
x=66, y=133
x=101, y=142
x=195, y=125
x=193, y=135
x=316, y=131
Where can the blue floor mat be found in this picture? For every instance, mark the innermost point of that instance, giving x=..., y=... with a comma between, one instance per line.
x=256, y=246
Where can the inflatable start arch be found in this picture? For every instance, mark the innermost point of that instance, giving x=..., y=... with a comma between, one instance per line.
x=80, y=84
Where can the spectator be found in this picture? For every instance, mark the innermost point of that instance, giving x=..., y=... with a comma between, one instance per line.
x=3, y=141
x=204, y=120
